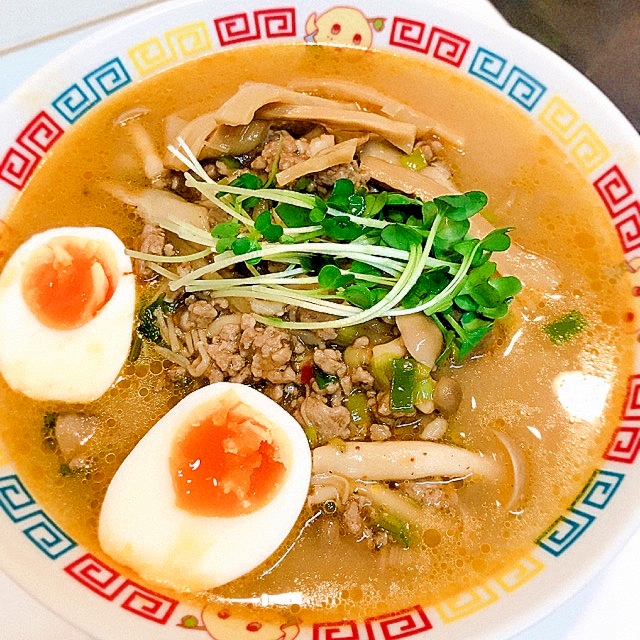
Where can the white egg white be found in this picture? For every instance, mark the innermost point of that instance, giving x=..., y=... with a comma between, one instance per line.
x=71, y=365
x=141, y=527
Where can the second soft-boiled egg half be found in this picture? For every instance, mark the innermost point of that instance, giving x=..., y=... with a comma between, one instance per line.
x=210, y=492
x=67, y=304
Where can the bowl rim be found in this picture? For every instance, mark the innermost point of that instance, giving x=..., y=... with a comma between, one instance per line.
x=621, y=127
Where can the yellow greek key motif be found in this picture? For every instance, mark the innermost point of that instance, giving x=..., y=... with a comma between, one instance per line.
x=164, y=50
x=581, y=141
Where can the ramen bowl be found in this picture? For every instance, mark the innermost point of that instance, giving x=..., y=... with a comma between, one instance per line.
x=108, y=601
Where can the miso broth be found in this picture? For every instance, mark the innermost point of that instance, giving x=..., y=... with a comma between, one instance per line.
x=517, y=385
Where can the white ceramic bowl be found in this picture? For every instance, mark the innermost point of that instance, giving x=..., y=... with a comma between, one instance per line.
x=42, y=558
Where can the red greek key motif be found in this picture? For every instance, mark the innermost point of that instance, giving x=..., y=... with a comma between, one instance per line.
x=21, y=159
x=408, y=623
x=625, y=445
x=409, y=34
x=632, y=402
x=17, y=166
x=447, y=46
x=40, y=134
x=276, y=23
x=236, y=28
x=109, y=584
x=613, y=188
x=623, y=206
x=96, y=575
x=345, y=630
x=147, y=604
x=627, y=224
x=245, y=27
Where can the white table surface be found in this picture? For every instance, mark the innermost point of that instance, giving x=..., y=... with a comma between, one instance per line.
x=31, y=32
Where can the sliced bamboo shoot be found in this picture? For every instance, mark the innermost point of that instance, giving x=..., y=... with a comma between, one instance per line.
x=400, y=134
x=341, y=153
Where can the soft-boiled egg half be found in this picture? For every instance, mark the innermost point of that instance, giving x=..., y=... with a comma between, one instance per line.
x=67, y=304
x=210, y=492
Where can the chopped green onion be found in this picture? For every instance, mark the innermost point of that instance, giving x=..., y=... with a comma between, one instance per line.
x=414, y=160
x=565, y=328
x=323, y=379
x=397, y=528
x=402, y=384
x=358, y=406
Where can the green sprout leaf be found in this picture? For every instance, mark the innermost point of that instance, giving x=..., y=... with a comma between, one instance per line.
x=330, y=277
x=341, y=228
x=226, y=230
x=271, y=232
x=292, y=215
x=400, y=236
x=462, y=206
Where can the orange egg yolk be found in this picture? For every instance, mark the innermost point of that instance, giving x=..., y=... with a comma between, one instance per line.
x=67, y=281
x=227, y=464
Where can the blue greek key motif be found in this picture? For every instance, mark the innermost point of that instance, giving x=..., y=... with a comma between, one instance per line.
x=99, y=83
x=48, y=537
x=22, y=509
x=595, y=496
x=15, y=500
x=600, y=489
x=516, y=83
x=565, y=531
x=490, y=67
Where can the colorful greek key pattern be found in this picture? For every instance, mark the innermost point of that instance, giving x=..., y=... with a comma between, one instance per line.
x=31, y=144
x=110, y=585
x=22, y=509
x=601, y=487
x=173, y=46
x=95, y=86
x=623, y=206
x=582, y=142
x=513, y=81
x=565, y=531
x=596, y=495
x=632, y=399
x=440, y=44
x=252, y=26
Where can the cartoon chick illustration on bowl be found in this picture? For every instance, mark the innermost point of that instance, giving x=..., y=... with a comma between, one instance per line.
x=342, y=26
x=222, y=624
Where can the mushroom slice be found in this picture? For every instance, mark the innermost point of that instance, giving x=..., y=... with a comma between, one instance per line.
x=421, y=336
x=194, y=133
x=534, y=271
x=401, y=460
